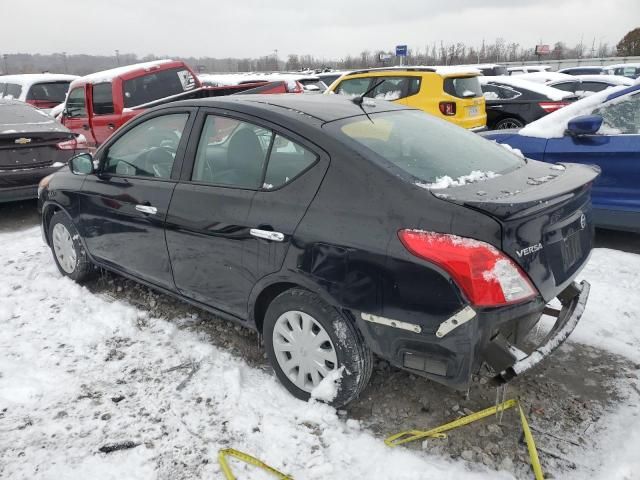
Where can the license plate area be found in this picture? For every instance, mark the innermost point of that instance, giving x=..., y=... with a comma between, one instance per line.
x=473, y=111
x=571, y=248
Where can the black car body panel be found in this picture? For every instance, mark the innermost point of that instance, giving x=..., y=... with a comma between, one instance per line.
x=28, y=149
x=339, y=221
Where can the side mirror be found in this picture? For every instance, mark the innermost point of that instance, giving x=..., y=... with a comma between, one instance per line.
x=584, y=125
x=81, y=164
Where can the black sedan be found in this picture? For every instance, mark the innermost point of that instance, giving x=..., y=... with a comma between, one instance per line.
x=319, y=222
x=32, y=145
x=512, y=102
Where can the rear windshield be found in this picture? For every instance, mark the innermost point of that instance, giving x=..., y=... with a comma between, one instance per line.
x=50, y=91
x=463, y=87
x=156, y=85
x=423, y=148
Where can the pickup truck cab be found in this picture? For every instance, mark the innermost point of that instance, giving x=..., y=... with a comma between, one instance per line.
x=100, y=103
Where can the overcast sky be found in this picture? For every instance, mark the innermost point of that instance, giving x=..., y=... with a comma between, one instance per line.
x=325, y=28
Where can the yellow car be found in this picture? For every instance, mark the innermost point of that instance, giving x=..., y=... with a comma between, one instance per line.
x=451, y=93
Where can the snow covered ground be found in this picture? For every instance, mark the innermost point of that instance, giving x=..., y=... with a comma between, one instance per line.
x=80, y=371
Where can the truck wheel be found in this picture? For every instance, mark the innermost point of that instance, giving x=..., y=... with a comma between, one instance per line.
x=68, y=251
x=307, y=339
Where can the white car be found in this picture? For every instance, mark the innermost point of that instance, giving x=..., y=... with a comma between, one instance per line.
x=630, y=70
x=581, y=85
x=528, y=69
x=42, y=90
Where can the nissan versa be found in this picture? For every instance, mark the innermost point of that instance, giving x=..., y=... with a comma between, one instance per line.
x=316, y=220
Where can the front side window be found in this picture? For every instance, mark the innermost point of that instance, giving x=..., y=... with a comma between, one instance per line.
x=231, y=152
x=148, y=149
x=594, y=86
x=76, y=105
x=156, y=85
x=621, y=116
x=415, y=144
x=102, y=99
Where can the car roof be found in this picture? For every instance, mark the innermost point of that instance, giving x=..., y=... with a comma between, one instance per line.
x=325, y=108
x=444, y=71
x=126, y=71
x=27, y=79
x=609, y=79
x=524, y=84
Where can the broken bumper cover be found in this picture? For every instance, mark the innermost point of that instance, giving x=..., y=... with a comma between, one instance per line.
x=573, y=300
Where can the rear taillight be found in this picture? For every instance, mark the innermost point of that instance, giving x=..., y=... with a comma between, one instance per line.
x=486, y=275
x=448, y=108
x=552, y=106
x=77, y=143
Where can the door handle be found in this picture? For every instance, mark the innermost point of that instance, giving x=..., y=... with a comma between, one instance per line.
x=111, y=126
x=267, y=234
x=147, y=209
x=85, y=126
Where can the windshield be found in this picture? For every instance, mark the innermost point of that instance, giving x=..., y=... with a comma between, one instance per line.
x=423, y=147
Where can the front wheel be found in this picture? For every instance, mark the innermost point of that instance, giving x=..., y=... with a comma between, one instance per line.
x=307, y=340
x=68, y=252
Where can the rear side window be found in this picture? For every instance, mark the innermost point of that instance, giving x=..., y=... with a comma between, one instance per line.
x=148, y=149
x=231, y=152
x=102, y=98
x=286, y=161
x=12, y=90
x=463, y=87
x=76, y=105
x=421, y=148
x=394, y=88
x=156, y=85
x=567, y=86
x=54, y=92
x=492, y=91
x=594, y=86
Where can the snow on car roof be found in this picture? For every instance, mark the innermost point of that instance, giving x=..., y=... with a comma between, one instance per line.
x=621, y=65
x=555, y=124
x=612, y=79
x=109, y=75
x=544, y=77
x=518, y=82
x=28, y=79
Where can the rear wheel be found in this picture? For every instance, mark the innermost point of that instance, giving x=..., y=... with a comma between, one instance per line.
x=68, y=252
x=307, y=340
x=509, y=123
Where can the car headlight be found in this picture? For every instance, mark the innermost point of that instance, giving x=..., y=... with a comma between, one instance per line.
x=44, y=183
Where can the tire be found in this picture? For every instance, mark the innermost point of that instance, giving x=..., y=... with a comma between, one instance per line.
x=509, y=123
x=67, y=248
x=345, y=339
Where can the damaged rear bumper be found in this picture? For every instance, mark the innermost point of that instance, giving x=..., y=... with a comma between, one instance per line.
x=510, y=361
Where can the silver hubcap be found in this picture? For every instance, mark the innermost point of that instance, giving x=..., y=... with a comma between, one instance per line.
x=508, y=124
x=303, y=349
x=63, y=248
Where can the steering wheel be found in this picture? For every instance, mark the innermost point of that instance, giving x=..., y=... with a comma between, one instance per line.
x=159, y=161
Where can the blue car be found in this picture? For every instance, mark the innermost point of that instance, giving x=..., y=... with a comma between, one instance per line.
x=602, y=129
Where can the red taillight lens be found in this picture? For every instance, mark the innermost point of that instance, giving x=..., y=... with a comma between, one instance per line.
x=77, y=143
x=552, y=106
x=448, y=108
x=486, y=275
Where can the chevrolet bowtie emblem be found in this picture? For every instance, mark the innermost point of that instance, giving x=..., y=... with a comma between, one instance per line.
x=22, y=141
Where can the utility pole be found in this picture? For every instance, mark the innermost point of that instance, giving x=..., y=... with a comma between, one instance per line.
x=275, y=51
x=6, y=67
x=64, y=58
x=118, y=57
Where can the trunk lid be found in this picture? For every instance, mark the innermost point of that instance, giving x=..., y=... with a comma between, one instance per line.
x=24, y=150
x=546, y=218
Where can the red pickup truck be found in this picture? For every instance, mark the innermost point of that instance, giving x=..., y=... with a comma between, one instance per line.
x=98, y=104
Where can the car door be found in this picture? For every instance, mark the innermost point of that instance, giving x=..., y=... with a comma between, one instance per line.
x=616, y=151
x=124, y=206
x=104, y=120
x=227, y=225
x=76, y=116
